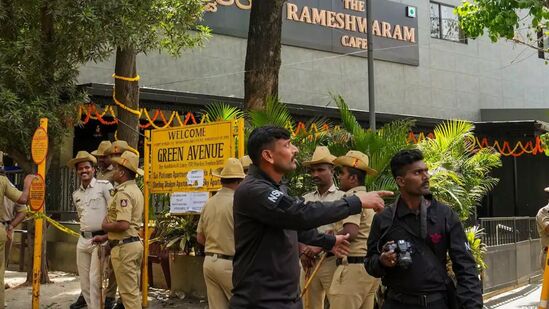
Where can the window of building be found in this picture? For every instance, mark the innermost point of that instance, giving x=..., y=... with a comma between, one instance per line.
x=445, y=24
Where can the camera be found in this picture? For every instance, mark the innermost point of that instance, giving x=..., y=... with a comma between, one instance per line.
x=404, y=251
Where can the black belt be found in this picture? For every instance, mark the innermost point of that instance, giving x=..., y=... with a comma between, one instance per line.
x=114, y=243
x=88, y=235
x=219, y=256
x=351, y=260
x=409, y=299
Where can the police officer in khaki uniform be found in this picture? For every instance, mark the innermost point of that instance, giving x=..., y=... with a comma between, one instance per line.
x=13, y=215
x=6, y=229
x=90, y=201
x=124, y=217
x=215, y=232
x=321, y=169
x=352, y=287
x=104, y=167
x=246, y=162
x=115, y=150
x=542, y=220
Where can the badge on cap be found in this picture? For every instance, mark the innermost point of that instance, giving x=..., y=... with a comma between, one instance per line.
x=123, y=203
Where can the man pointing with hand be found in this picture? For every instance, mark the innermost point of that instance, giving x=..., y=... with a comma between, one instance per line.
x=269, y=223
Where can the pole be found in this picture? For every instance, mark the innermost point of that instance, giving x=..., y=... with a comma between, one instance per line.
x=145, y=265
x=371, y=88
x=38, y=225
x=317, y=267
x=240, y=124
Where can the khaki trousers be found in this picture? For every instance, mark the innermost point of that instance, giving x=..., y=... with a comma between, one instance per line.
x=110, y=292
x=126, y=261
x=320, y=285
x=3, y=239
x=89, y=270
x=218, y=275
x=352, y=288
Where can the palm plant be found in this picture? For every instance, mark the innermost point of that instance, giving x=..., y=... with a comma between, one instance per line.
x=380, y=146
x=460, y=173
x=219, y=111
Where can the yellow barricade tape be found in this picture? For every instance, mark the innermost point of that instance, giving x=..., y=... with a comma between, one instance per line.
x=57, y=225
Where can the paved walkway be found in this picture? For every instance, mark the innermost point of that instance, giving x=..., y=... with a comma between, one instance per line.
x=65, y=289
x=526, y=297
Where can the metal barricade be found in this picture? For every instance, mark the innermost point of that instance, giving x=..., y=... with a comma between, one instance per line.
x=508, y=230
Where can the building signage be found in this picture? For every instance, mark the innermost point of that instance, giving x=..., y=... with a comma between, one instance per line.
x=183, y=158
x=331, y=25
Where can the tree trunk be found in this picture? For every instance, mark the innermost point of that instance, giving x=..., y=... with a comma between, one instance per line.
x=127, y=92
x=263, y=53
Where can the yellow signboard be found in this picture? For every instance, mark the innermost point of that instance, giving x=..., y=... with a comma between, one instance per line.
x=183, y=158
x=37, y=193
x=39, y=146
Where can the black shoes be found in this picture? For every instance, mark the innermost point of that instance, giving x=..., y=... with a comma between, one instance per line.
x=80, y=303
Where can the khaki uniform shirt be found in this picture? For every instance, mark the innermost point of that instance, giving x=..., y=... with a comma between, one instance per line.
x=91, y=204
x=333, y=194
x=126, y=205
x=217, y=224
x=364, y=222
x=542, y=220
x=11, y=208
x=7, y=190
x=105, y=174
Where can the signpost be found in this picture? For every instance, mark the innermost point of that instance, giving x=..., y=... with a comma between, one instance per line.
x=39, y=150
x=183, y=158
x=180, y=161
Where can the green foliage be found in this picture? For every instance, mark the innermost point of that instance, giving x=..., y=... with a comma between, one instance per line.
x=502, y=19
x=177, y=233
x=544, y=138
x=460, y=174
x=145, y=25
x=478, y=248
x=43, y=43
x=218, y=111
x=275, y=113
x=380, y=146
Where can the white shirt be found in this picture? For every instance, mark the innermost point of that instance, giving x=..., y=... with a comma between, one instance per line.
x=91, y=204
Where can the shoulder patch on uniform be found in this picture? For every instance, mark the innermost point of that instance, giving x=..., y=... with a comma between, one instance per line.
x=275, y=195
x=124, y=203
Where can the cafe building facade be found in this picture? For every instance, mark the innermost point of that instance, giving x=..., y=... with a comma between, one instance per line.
x=425, y=68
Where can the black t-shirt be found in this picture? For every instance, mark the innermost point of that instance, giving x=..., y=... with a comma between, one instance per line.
x=268, y=223
x=444, y=235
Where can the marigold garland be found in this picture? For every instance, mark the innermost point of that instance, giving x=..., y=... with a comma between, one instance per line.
x=90, y=112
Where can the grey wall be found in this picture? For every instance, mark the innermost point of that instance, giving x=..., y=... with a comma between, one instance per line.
x=453, y=80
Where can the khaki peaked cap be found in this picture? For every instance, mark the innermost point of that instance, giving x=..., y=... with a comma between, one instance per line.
x=118, y=147
x=82, y=156
x=129, y=160
x=246, y=161
x=321, y=155
x=231, y=169
x=102, y=149
x=355, y=159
